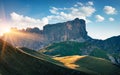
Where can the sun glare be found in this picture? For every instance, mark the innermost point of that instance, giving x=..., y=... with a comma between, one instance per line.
x=6, y=30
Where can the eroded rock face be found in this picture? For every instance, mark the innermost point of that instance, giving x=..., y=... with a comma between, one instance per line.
x=35, y=38
x=72, y=30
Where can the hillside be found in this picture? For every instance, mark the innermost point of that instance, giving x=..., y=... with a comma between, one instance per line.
x=111, y=46
x=14, y=61
x=90, y=64
x=68, y=48
x=82, y=63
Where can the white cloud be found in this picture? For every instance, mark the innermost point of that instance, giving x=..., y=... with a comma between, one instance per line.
x=99, y=18
x=90, y=3
x=25, y=21
x=79, y=4
x=109, y=10
x=111, y=19
x=54, y=10
x=82, y=11
x=79, y=10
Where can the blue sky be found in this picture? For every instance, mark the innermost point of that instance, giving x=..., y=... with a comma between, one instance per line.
x=102, y=16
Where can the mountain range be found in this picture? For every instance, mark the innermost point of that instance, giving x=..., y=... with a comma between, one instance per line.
x=24, y=61
x=74, y=31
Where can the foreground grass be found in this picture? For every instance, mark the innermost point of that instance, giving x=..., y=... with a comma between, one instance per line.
x=90, y=64
x=14, y=61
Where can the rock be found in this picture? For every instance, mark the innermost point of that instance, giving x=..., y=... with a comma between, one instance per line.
x=71, y=30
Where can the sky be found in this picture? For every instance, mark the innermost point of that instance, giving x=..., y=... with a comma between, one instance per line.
x=102, y=16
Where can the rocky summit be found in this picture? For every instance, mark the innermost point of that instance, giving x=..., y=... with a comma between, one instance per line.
x=74, y=30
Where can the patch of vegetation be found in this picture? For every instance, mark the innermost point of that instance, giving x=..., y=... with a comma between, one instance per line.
x=91, y=64
x=99, y=53
x=67, y=48
x=14, y=61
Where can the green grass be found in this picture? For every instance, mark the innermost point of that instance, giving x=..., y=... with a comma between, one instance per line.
x=99, y=53
x=67, y=48
x=93, y=65
x=98, y=65
x=14, y=61
x=74, y=48
x=39, y=55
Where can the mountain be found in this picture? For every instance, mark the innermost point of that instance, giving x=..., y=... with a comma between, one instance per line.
x=74, y=30
x=69, y=48
x=24, y=61
x=110, y=45
x=31, y=38
x=36, y=39
x=14, y=61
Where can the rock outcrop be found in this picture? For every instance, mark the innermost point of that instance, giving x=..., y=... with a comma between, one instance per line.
x=71, y=30
x=35, y=38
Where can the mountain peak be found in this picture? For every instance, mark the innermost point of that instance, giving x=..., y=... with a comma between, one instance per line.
x=82, y=21
x=71, y=30
x=76, y=19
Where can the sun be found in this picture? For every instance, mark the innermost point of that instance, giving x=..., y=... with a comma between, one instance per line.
x=7, y=30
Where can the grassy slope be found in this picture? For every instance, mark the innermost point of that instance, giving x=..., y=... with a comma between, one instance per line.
x=86, y=64
x=64, y=48
x=99, y=53
x=90, y=64
x=17, y=62
x=27, y=62
x=39, y=55
x=74, y=48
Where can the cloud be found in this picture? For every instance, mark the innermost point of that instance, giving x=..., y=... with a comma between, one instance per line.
x=79, y=10
x=90, y=3
x=54, y=10
x=78, y=4
x=25, y=21
x=111, y=19
x=109, y=10
x=99, y=18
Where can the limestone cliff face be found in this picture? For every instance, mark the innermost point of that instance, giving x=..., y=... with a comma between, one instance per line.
x=34, y=38
x=71, y=30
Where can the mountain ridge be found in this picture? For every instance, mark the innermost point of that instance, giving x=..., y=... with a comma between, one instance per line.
x=74, y=30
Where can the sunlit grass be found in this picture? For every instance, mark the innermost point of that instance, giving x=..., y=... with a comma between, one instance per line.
x=69, y=61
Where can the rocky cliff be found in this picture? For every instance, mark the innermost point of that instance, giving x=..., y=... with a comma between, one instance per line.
x=35, y=38
x=71, y=30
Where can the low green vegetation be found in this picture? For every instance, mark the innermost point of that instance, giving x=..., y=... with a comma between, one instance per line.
x=90, y=64
x=69, y=48
x=24, y=61
x=14, y=61
x=99, y=53
x=39, y=55
x=98, y=65
x=66, y=48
